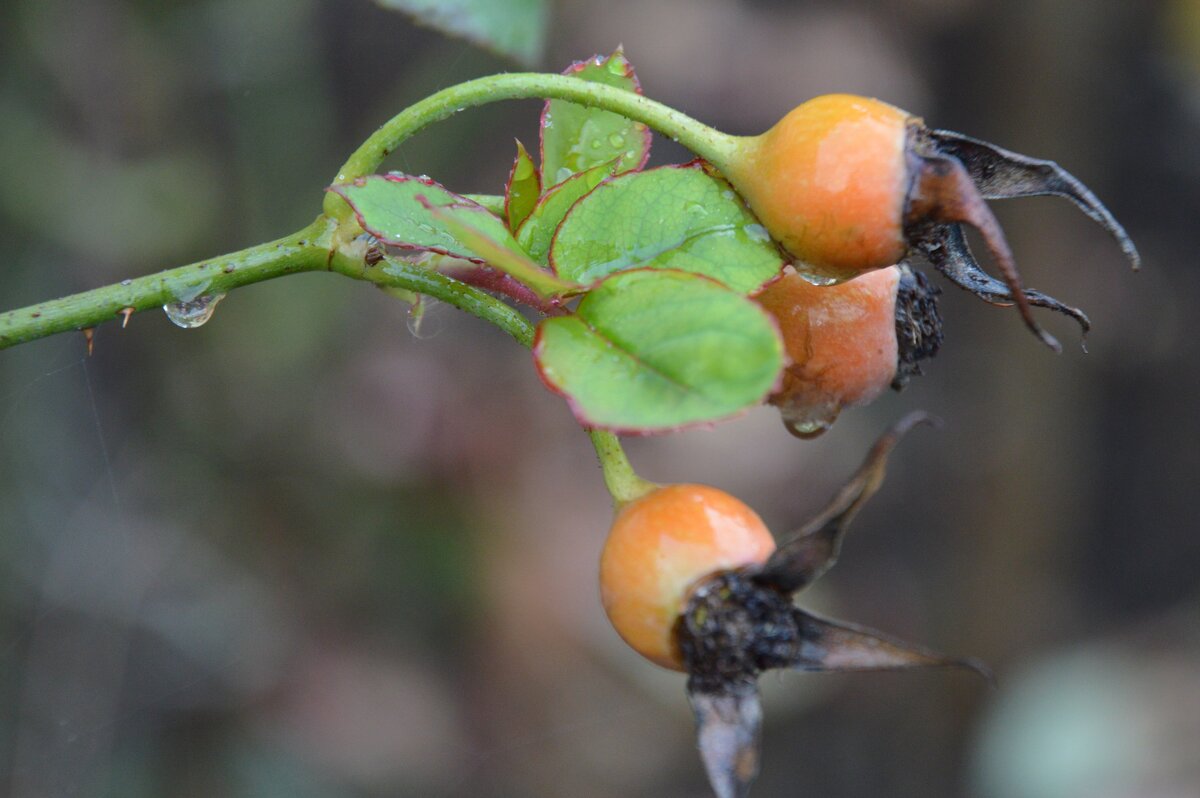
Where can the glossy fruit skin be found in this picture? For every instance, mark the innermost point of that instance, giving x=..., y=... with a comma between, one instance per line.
x=830, y=183
x=660, y=546
x=841, y=340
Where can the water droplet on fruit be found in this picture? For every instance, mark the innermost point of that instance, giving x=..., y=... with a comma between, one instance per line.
x=809, y=422
x=194, y=312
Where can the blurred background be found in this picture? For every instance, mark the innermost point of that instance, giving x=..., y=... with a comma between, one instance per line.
x=303, y=552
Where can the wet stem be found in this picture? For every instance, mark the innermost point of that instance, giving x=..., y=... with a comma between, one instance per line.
x=328, y=244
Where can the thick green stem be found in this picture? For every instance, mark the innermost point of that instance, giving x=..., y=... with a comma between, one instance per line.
x=295, y=253
x=623, y=483
x=710, y=144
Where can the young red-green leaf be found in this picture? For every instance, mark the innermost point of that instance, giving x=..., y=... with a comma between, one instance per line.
x=673, y=217
x=387, y=207
x=523, y=189
x=501, y=253
x=515, y=28
x=575, y=137
x=537, y=232
x=652, y=350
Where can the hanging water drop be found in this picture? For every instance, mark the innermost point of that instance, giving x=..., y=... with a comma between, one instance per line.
x=192, y=312
x=424, y=318
x=809, y=422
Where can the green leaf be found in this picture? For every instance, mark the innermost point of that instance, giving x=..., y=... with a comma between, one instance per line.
x=673, y=217
x=503, y=254
x=523, y=189
x=537, y=232
x=653, y=350
x=575, y=137
x=390, y=208
x=417, y=213
x=514, y=28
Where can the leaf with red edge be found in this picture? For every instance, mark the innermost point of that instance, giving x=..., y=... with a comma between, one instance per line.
x=575, y=137
x=652, y=350
x=523, y=189
x=672, y=217
x=503, y=254
x=395, y=209
x=537, y=232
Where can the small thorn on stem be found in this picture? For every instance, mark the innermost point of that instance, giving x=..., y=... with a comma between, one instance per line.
x=125, y=313
x=89, y=335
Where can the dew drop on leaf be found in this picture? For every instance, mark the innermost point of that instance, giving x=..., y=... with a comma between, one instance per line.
x=192, y=313
x=616, y=139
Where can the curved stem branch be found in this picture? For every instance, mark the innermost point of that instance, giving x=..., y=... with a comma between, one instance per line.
x=623, y=483
x=394, y=273
x=710, y=144
x=295, y=253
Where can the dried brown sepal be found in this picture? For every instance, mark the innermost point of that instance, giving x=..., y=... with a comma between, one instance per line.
x=944, y=193
x=826, y=645
x=946, y=247
x=1002, y=174
x=814, y=549
x=738, y=624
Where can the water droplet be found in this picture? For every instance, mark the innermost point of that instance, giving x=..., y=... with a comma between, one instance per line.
x=811, y=275
x=563, y=174
x=127, y=281
x=757, y=232
x=595, y=144
x=547, y=121
x=696, y=209
x=425, y=318
x=616, y=139
x=810, y=422
x=616, y=65
x=193, y=312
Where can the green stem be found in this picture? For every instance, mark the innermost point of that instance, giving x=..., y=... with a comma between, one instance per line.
x=393, y=273
x=295, y=253
x=710, y=144
x=623, y=483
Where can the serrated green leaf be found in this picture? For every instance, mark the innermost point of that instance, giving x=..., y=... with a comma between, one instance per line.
x=673, y=217
x=395, y=209
x=523, y=189
x=537, y=232
x=575, y=137
x=503, y=254
x=515, y=28
x=653, y=350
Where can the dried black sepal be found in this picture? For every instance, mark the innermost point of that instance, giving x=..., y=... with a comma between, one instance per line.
x=952, y=176
x=738, y=624
x=918, y=324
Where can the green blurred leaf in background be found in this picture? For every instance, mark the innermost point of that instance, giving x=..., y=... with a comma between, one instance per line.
x=513, y=28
